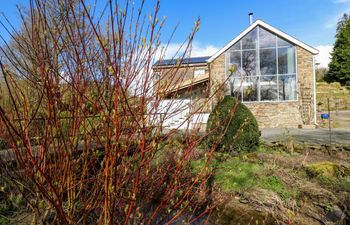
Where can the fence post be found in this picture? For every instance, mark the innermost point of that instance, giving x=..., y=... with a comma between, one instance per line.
x=329, y=125
x=336, y=106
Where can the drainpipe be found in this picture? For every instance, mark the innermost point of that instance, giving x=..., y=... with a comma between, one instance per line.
x=314, y=80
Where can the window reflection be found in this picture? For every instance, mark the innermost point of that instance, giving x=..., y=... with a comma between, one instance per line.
x=249, y=62
x=286, y=61
x=268, y=61
x=250, y=88
x=266, y=39
x=236, y=87
x=268, y=88
x=283, y=43
x=287, y=87
x=250, y=40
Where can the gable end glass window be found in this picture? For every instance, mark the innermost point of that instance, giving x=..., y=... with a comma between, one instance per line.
x=262, y=67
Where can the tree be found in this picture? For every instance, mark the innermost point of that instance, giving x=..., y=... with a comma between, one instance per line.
x=321, y=72
x=339, y=67
x=102, y=169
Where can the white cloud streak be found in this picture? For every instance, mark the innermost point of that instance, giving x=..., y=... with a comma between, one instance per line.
x=198, y=49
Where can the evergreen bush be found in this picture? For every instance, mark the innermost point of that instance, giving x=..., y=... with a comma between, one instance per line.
x=232, y=127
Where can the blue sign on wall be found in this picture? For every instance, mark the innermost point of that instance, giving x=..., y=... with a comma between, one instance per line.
x=324, y=116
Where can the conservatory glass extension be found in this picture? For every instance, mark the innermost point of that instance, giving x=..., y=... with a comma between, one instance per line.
x=262, y=67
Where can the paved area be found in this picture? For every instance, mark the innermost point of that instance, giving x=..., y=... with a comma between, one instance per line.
x=319, y=136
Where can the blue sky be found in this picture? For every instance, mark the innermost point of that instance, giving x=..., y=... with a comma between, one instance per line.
x=311, y=21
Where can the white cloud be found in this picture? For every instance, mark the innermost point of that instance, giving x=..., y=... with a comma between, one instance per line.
x=206, y=50
x=324, y=56
x=198, y=49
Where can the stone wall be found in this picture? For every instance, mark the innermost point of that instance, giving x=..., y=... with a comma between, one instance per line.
x=218, y=83
x=274, y=114
x=306, y=81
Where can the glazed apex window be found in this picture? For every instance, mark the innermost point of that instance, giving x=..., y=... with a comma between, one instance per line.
x=262, y=67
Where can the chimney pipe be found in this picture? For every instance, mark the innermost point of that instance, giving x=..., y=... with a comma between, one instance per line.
x=250, y=18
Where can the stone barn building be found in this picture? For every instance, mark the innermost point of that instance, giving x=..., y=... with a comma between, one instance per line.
x=271, y=72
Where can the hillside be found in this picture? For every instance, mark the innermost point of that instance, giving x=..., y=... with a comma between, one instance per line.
x=335, y=92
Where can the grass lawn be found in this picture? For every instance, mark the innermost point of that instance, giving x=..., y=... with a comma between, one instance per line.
x=237, y=174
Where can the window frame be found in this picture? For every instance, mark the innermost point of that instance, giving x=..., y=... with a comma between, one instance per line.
x=198, y=69
x=258, y=72
x=157, y=76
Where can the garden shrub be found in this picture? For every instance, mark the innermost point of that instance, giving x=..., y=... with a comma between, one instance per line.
x=241, y=133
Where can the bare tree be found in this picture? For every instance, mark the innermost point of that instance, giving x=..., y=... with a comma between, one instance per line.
x=88, y=146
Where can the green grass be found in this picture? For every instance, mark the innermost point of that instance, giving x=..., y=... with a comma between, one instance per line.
x=236, y=174
x=233, y=174
x=278, y=150
x=276, y=184
x=345, y=184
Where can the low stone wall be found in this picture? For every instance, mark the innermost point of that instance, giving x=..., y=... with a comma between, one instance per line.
x=279, y=114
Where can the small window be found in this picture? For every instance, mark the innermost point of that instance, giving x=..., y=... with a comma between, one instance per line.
x=199, y=72
x=157, y=76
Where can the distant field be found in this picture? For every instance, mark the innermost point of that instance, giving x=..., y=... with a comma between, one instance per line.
x=335, y=92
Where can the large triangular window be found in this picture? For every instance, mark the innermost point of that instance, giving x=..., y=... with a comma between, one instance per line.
x=262, y=67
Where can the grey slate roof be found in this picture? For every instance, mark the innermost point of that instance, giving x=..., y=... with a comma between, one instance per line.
x=192, y=60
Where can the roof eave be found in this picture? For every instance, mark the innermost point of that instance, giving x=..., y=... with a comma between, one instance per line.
x=179, y=65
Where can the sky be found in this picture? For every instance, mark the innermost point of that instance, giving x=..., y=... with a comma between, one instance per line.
x=311, y=21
